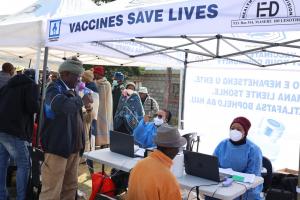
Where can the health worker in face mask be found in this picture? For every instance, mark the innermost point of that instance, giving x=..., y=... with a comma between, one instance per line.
x=146, y=129
x=240, y=154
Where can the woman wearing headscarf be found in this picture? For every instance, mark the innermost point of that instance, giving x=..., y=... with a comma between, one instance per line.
x=240, y=154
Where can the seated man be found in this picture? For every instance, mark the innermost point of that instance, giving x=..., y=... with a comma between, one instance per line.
x=151, y=178
x=145, y=131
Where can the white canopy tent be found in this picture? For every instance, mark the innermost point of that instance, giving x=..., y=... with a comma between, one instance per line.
x=23, y=33
x=163, y=33
x=186, y=34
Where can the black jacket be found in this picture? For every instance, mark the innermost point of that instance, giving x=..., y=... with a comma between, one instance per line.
x=62, y=130
x=18, y=103
x=116, y=94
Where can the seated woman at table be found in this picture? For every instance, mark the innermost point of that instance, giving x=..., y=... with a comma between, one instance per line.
x=145, y=132
x=240, y=154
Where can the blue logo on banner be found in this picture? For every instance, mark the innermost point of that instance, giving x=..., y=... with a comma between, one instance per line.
x=54, y=29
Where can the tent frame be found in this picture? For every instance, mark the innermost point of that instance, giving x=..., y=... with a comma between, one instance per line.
x=207, y=55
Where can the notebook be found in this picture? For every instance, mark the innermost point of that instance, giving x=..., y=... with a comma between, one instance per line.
x=203, y=166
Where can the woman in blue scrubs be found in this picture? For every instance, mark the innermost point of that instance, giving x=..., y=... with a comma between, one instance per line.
x=240, y=154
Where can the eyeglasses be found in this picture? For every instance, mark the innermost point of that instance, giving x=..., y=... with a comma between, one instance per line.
x=158, y=115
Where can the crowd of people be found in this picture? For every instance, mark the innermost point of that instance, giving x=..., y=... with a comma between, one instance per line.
x=80, y=108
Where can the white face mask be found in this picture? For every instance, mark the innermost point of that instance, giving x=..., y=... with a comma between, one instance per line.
x=157, y=121
x=235, y=135
x=129, y=92
x=115, y=83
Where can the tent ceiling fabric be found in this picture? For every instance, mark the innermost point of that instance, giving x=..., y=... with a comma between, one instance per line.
x=28, y=26
x=161, y=34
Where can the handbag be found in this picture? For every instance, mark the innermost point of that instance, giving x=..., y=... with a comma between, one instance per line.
x=102, y=183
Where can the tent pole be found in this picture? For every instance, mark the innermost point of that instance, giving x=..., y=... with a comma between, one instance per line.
x=37, y=64
x=298, y=187
x=29, y=65
x=43, y=96
x=183, y=90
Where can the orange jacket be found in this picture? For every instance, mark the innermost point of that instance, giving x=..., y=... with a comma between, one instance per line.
x=151, y=179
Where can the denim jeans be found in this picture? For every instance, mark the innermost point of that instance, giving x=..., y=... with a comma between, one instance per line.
x=14, y=148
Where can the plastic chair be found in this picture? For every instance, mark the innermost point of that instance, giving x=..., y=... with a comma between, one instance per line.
x=266, y=163
x=191, y=139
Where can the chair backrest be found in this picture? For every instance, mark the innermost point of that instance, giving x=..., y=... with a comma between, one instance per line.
x=191, y=139
x=266, y=163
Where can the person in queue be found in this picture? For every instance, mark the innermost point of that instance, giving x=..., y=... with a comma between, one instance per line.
x=130, y=110
x=63, y=132
x=151, y=178
x=240, y=154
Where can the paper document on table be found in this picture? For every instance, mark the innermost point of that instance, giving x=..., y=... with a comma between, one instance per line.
x=242, y=177
x=140, y=152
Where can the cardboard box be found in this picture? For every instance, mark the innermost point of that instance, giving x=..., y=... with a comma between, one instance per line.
x=288, y=171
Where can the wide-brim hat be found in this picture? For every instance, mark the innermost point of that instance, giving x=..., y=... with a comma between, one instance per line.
x=168, y=136
x=143, y=90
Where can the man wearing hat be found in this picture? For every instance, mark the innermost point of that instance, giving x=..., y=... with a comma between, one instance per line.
x=240, y=154
x=150, y=104
x=63, y=133
x=117, y=87
x=151, y=178
x=104, y=115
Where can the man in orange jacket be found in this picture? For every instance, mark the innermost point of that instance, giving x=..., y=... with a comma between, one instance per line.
x=151, y=178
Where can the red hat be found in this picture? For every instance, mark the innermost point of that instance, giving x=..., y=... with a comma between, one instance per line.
x=244, y=122
x=99, y=70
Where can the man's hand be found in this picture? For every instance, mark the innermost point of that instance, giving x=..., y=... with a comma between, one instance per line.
x=87, y=99
x=146, y=118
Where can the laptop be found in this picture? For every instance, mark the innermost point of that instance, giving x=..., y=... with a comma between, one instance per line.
x=123, y=143
x=202, y=165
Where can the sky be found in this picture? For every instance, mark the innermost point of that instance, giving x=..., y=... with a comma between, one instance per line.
x=13, y=6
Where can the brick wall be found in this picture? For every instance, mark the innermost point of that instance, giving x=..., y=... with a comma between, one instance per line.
x=163, y=86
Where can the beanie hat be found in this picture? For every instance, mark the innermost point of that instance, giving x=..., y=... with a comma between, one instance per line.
x=119, y=76
x=72, y=65
x=88, y=75
x=244, y=122
x=99, y=70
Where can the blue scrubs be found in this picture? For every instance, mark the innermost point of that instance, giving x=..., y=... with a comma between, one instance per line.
x=245, y=158
x=144, y=134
